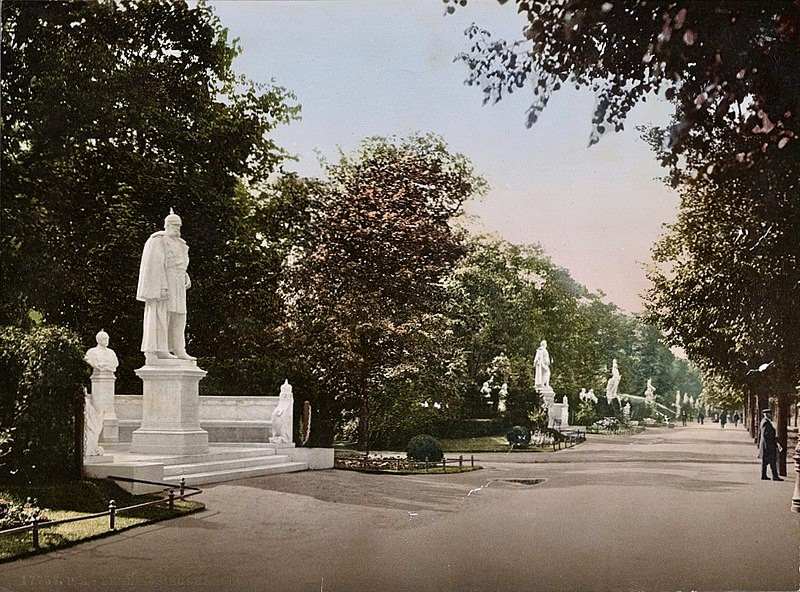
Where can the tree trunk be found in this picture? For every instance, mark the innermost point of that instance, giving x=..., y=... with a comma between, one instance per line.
x=322, y=424
x=783, y=434
x=746, y=418
x=363, y=420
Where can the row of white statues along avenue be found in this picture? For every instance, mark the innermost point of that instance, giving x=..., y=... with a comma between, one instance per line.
x=558, y=413
x=170, y=376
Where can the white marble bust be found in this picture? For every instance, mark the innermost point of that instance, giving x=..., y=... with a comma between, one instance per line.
x=101, y=357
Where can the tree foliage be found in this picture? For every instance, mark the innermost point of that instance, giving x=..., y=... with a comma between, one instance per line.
x=365, y=290
x=507, y=298
x=40, y=391
x=722, y=63
x=727, y=273
x=112, y=113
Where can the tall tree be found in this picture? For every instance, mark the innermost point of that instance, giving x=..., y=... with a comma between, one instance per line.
x=728, y=276
x=706, y=56
x=112, y=113
x=368, y=281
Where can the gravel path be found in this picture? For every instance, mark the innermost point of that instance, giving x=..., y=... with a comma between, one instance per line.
x=679, y=509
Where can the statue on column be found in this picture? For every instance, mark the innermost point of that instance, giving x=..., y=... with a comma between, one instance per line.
x=163, y=282
x=541, y=364
x=101, y=357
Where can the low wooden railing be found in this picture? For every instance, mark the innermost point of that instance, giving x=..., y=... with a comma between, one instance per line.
x=168, y=494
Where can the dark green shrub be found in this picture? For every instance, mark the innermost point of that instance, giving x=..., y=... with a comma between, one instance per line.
x=42, y=374
x=519, y=436
x=424, y=447
x=13, y=514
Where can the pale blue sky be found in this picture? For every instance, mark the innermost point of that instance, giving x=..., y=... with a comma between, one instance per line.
x=362, y=68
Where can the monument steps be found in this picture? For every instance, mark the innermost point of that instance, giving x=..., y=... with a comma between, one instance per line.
x=205, y=478
x=223, y=465
x=215, y=454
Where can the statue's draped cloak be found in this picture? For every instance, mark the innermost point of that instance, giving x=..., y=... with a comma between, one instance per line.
x=164, y=263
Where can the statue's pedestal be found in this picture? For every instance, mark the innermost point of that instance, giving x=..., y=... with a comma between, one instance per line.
x=170, y=409
x=103, y=399
x=548, y=403
x=548, y=395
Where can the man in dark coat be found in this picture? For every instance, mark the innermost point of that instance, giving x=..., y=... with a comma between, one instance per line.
x=768, y=446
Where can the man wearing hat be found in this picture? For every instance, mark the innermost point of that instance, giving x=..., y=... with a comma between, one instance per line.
x=163, y=282
x=768, y=446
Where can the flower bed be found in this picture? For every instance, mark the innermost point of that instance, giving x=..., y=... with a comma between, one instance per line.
x=401, y=465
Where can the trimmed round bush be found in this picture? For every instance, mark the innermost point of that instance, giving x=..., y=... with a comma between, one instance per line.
x=424, y=447
x=519, y=436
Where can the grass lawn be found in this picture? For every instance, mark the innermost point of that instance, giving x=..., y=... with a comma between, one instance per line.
x=79, y=498
x=483, y=444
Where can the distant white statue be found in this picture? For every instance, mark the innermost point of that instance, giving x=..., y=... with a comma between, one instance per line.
x=565, y=412
x=582, y=395
x=101, y=357
x=591, y=396
x=92, y=427
x=685, y=398
x=650, y=391
x=501, y=398
x=677, y=403
x=626, y=411
x=541, y=364
x=282, y=416
x=613, y=383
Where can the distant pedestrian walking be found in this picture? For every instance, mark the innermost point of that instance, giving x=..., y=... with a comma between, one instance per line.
x=700, y=417
x=736, y=419
x=683, y=417
x=723, y=419
x=768, y=446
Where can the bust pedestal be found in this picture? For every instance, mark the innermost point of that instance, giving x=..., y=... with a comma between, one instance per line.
x=170, y=409
x=103, y=399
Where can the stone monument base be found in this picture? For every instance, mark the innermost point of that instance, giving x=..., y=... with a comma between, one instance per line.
x=170, y=409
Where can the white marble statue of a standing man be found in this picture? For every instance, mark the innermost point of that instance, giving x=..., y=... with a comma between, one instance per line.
x=163, y=282
x=101, y=357
x=541, y=364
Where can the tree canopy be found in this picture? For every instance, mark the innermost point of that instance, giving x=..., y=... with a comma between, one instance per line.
x=113, y=112
x=722, y=63
x=366, y=285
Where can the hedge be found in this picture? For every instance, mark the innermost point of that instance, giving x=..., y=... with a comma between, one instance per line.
x=42, y=374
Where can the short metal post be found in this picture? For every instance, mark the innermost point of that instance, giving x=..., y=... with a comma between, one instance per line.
x=472, y=460
x=460, y=461
x=183, y=486
x=426, y=464
x=35, y=532
x=171, y=499
x=796, y=494
x=112, y=515
x=444, y=465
